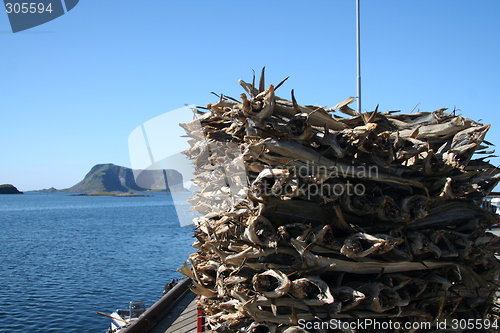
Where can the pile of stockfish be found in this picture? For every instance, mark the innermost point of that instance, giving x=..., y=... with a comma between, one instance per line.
x=310, y=216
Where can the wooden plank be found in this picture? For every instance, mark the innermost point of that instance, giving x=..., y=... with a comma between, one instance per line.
x=181, y=319
x=186, y=322
x=156, y=313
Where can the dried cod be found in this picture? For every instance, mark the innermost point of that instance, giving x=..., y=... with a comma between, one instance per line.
x=310, y=215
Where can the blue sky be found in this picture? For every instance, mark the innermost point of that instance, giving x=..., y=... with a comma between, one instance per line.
x=73, y=89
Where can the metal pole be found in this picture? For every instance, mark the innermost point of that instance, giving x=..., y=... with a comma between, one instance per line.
x=358, y=55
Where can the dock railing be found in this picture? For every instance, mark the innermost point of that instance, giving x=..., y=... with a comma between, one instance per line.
x=148, y=320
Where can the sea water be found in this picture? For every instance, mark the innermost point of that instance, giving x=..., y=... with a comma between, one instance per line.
x=63, y=258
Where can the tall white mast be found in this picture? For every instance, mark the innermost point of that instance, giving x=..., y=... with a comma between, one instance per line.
x=358, y=55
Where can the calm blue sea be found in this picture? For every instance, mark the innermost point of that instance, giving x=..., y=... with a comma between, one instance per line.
x=63, y=258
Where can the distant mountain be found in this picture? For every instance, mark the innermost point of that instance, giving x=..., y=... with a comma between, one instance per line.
x=9, y=189
x=115, y=178
x=47, y=190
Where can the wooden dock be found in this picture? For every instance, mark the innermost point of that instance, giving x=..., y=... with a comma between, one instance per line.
x=182, y=319
x=174, y=312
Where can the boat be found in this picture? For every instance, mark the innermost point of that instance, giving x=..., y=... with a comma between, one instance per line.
x=176, y=299
x=123, y=318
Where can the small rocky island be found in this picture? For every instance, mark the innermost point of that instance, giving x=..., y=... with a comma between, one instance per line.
x=9, y=189
x=108, y=194
x=114, y=178
x=117, y=181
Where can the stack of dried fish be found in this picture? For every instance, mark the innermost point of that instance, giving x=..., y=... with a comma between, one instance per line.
x=308, y=216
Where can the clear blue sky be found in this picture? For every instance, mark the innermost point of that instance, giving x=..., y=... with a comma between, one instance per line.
x=73, y=89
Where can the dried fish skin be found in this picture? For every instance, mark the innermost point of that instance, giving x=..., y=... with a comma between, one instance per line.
x=414, y=288
x=462, y=211
x=464, y=145
x=311, y=290
x=390, y=211
x=416, y=207
x=326, y=238
x=261, y=328
x=434, y=306
x=380, y=298
x=395, y=281
x=271, y=182
x=222, y=273
x=361, y=245
x=285, y=109
x=346, y=298
x=358, y=204
x=271, y=283
x=421, y=244
x=442, y=130
x=260, y=231
x=299, y=127
x=261, y=107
